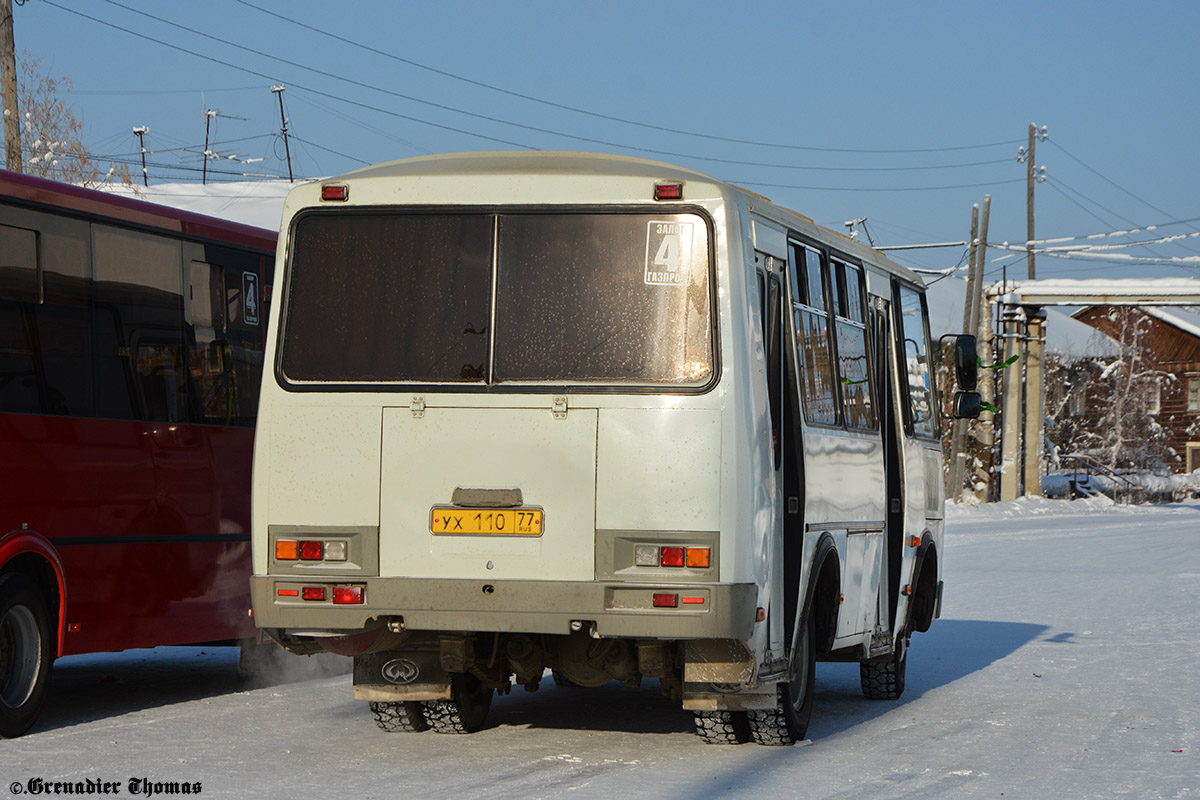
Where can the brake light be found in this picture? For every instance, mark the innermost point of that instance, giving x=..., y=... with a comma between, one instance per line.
x=665, y=600
x=312, y=593
x=672, y=557
x=339, y=192
x=312, y=551
x=692, y=601
x=288, y=593
x=347, y=595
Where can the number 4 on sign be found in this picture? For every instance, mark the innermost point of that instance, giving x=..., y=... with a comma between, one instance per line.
x=670, y=253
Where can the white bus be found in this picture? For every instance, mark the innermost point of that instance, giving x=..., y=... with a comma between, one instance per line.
x=598, y=415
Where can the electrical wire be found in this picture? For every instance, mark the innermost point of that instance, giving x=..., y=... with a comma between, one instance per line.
x=872, y=189
x=520, y=125
x=610, y=118
x=275, y=79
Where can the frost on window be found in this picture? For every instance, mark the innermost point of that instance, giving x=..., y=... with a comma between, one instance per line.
x=483, y=298
x=612, y=298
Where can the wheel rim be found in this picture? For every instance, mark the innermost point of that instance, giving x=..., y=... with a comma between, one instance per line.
x=20, y=656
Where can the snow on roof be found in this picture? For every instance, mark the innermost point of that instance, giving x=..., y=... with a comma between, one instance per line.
x=1186, y=318
x=1097, y=291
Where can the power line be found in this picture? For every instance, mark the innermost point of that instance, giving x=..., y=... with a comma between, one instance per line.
x=1111, y=182
x=598, y=115
x=873, y=189
x=275, y=79
x=520, y=125
x=124, y=92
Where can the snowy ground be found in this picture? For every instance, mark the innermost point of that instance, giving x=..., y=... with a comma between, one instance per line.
x=1063, y=667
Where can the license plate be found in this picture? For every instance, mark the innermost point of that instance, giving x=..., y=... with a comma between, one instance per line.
x=486, y=521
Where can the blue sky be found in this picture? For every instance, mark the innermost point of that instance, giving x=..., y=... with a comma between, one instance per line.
x=847, y=94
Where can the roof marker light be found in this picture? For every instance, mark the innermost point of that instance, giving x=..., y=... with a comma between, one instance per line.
x=336, y=191
x=668, y=191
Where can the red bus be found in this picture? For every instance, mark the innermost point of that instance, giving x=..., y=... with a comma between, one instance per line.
x=131, y=342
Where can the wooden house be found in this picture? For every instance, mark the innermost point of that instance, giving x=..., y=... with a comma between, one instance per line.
x=1168, y=339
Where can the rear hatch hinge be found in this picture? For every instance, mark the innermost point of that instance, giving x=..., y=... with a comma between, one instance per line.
x=559, y=408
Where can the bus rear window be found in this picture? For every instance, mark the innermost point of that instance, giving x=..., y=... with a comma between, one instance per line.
x=576, y=298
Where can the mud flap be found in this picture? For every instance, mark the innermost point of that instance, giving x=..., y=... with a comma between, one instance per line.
x=401, y=675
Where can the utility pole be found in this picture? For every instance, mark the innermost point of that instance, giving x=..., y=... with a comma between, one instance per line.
x=1033, y=175
x=958, y=431
x=8, y=86
x=208, y=115
x=278, y=90
x=140, y=131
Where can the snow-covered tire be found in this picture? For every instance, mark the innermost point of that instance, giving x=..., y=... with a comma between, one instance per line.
x=26, y=653
x=788, y=721
x=722, y=727
x=402, y=717
x=884, y=680
x=466, y=709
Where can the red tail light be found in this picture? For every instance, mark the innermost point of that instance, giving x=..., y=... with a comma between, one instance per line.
x=672, y=557
x=312, y=551
x=312, y=593
x=665, y=600
x=347, y=595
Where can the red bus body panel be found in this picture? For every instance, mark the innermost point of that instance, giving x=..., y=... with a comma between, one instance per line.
x=146, y=525
x=150, y=522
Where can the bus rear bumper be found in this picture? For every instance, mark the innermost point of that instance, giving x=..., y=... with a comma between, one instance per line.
x=700, y=611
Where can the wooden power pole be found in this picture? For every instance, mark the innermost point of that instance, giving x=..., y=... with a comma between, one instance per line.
x=8, y=86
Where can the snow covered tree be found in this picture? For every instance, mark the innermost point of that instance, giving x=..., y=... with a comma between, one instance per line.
x=52, y=136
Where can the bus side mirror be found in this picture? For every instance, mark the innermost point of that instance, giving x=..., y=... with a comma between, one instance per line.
x=966, y=366
x=967, y=405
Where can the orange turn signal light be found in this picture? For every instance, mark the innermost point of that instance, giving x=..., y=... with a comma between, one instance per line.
x=287, y=550
x=698, y=557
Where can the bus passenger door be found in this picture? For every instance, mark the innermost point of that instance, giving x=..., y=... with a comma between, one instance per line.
x=886, y=380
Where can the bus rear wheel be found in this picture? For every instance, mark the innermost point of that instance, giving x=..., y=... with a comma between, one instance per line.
x=466, y=709
x=788, y=721
x=26, y=653
x=722, y=727
x=884, y=680
x=402, y=717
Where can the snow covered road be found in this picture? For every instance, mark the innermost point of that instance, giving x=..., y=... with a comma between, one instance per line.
x=1064, y=666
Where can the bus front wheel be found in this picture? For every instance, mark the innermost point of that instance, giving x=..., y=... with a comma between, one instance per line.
x=26, y=653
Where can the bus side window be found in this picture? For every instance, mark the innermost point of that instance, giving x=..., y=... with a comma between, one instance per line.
x=914, y=332
x=854, y=370
x=225, y=329
x=818, y=391
x=139, y=282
